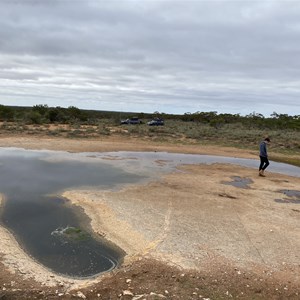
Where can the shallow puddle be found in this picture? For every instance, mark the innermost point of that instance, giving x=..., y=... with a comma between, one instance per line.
x=293, y=196
x=146, y=163
x=291, y=193
x=239, y=182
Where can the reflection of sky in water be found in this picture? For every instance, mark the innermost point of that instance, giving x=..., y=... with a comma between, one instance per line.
x=148, y=163
x=30, y=174
x=27, y=177
x=30, y=181
x=239, y=182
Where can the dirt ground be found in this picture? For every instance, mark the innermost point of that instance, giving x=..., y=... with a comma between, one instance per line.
x=190, y=235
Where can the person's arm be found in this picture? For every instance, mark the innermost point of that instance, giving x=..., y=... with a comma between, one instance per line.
x=263, y=150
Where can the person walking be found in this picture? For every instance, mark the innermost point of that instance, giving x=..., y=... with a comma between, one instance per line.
x=263, y=155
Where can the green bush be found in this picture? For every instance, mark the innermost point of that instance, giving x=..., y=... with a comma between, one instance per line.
x=34, y=117
x=6, y=113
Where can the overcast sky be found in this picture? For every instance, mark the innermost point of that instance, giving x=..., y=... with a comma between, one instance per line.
x=152, y=55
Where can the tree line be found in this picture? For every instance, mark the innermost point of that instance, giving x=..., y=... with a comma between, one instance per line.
x=42, y=114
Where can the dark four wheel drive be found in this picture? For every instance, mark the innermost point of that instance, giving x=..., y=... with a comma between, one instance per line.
x=156, y=122
x=133, y=121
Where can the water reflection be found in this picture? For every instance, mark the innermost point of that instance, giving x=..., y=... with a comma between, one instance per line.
x=32, y=214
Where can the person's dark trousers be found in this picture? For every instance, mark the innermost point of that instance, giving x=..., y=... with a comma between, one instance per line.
x=264, y=162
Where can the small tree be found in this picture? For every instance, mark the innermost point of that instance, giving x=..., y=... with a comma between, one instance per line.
x=42, y=109
x=34, y=117
x=76, y=114
x=6, y=113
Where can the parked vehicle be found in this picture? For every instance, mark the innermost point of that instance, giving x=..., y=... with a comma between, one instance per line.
x=132, y=121
x=156, y=122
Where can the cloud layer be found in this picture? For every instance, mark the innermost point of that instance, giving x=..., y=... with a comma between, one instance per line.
x=168, y=56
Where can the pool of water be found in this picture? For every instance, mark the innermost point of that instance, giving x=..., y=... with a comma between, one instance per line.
x=148, y=162
x=33, y=211
x=239, y=182
x=292, y=196
x=57, y=234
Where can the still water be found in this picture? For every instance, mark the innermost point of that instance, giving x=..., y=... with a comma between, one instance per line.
x=48, y=228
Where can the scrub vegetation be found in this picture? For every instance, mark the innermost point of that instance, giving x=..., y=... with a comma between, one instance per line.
x=209, y=128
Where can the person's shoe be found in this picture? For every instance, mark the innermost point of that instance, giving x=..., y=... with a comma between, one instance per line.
x=261, y=173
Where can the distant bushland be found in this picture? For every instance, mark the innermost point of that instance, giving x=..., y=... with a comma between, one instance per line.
x=42, y=114
x=189, y=128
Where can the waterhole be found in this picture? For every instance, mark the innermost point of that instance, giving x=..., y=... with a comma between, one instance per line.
x=47, y=227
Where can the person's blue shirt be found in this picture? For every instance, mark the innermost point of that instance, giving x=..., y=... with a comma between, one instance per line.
x=263, y=149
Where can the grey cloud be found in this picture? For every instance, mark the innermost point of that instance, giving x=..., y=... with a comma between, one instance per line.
x=233, y=55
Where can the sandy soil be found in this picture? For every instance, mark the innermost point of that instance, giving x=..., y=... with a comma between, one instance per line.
x=188, y=236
